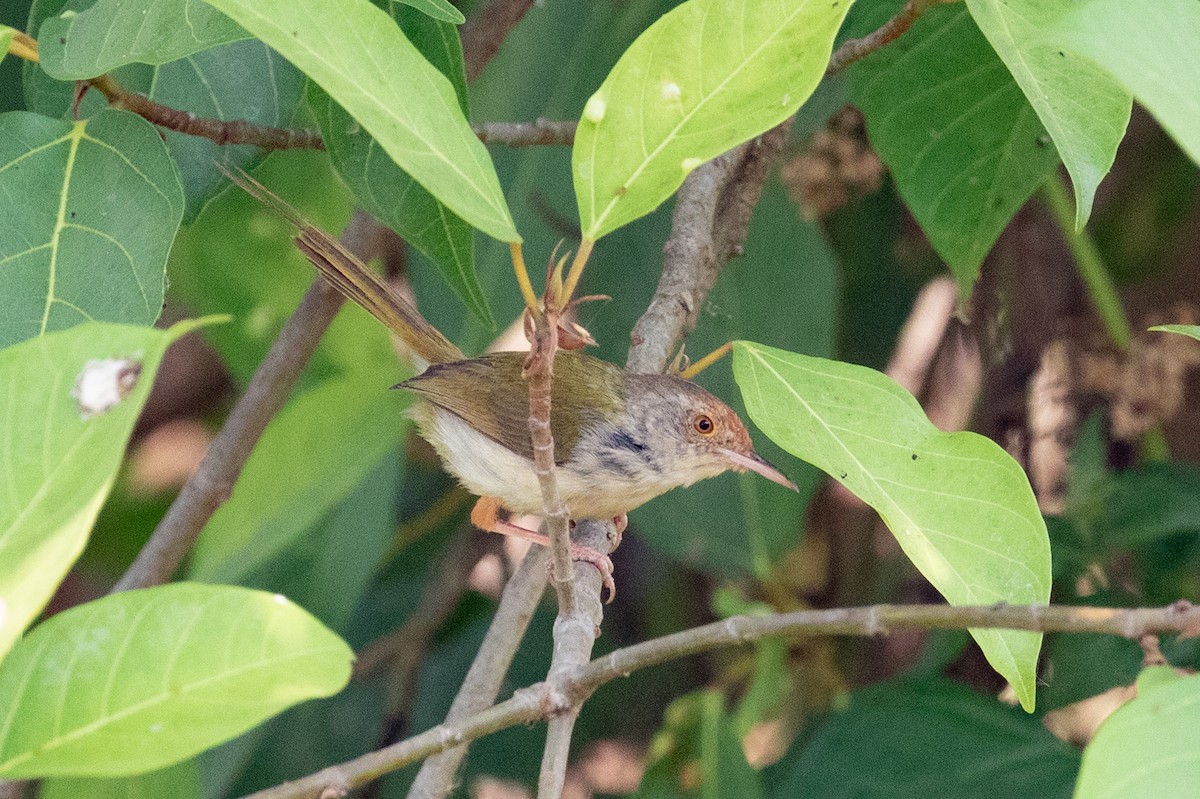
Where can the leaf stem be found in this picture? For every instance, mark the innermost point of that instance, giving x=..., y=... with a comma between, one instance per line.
x=1095, y=276
x=23, y=46
x=522, y=273
x=581, y=258
x=707, y=361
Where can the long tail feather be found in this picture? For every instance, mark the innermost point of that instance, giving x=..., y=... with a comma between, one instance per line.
x=352, y=278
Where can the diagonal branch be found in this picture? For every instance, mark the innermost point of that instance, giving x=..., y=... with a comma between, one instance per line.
x=571, y=687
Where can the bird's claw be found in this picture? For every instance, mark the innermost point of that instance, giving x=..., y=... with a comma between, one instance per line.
x=603, y=564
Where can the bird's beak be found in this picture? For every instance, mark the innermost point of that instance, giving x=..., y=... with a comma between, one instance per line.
x=754, y=463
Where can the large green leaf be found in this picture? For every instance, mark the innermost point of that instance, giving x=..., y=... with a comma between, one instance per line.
x=56, y=463
x=959, y=505
x=143, y=679
x=1148, y=748
x=439, y=10
x=356, y=53
x=92, y=209
x=963, y=144
x=1150, y=49
x=705, y=77
x=390, y=193
x=240, y=81
x=930, y=740
x=181, y=781
x=88, y=42
x=1083, y=109
x=309, y=459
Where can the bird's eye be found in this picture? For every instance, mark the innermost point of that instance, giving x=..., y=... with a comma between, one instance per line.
x=703, y=425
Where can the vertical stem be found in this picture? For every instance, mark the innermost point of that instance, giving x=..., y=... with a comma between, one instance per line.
x=518, y=260
x=581, y=257
x=1096, y=278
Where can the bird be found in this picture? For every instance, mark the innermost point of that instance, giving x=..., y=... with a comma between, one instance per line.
x=620, y=438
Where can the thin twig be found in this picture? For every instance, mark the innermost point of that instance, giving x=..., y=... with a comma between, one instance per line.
x=575, y=633
x=267, y=393
x=235, y=131
x=712, y=215
x=852, y=50
x=539, y=373
x=554, y=697
x=541, y=132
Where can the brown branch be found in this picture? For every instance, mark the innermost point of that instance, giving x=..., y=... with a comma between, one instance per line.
x=222, y=132
x=269, y=389
x=487, y=29
x=558, y=694
x=541, y=132
x=539, y=373
x=712, y=215
x=482, y=684
x=575, y=633
x=852, y=50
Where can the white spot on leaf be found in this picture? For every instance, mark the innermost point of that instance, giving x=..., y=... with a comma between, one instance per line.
x=280, y=599
x=688, y=164
x=671, y=92
x=104, y=383
x=594, y=109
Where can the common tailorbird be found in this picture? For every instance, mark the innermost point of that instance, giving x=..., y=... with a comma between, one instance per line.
x=620, y=439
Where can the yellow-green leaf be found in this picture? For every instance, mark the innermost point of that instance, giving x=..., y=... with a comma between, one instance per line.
x=707, y=76
x=958, y=504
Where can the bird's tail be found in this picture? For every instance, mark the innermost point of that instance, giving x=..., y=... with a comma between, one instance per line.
x=352, y=278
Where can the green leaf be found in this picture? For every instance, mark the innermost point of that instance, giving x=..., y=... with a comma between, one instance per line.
x=111, y=33
x=705, y=77
x=929, y=740
x=311, y=456
x=440, y=10
x=963, y=144
x=959, y=505
x=181, y=781
x=6, y=37
x=56, y=464
x=1151, y=51
x=1147, y=748
x=143, y=679
x=240, y=81
x=93, y=208
x=1183, y=330
x=354, y=51
x=1083, y=109
x=388, y=192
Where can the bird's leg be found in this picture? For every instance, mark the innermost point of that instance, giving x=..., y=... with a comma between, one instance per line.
x=486, y=516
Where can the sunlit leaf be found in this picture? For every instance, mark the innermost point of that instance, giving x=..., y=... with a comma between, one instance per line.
x=1147, y=748
x=58, y=459
x=965, y=147
x=1150, y=49
x=111, y=33
x=1082, y=108
x=6, y=36
x=958, y=504
x=143, y=679
x=705, y=77
x=387, y=191
x=356, y=53
x=93, y=207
